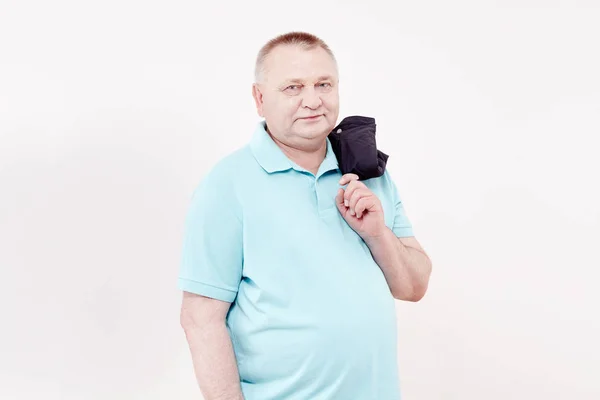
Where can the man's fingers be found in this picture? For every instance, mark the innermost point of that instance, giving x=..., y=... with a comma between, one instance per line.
x=363, y=204
x=339, y=201
x=357, y=194
x=339, y=198
x=351, y=188
x=347, y=178
x=355, y=199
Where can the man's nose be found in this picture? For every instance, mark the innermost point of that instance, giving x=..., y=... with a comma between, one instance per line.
x=311, y=99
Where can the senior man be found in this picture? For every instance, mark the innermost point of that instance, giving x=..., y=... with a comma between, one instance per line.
x=290, y=269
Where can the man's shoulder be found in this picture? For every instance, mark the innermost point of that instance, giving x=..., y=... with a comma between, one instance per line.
x=228, y=170
x=385, y=186
x=231, y=164
x=383, y=182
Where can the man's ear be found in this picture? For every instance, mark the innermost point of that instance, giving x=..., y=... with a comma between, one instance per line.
x=258, y=99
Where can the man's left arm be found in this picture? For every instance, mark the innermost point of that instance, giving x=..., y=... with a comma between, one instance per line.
x=402, y=260
x=404, y=263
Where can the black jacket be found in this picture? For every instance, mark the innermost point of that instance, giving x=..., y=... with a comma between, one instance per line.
x=354, y=145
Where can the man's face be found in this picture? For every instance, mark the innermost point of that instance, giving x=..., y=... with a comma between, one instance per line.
x=298, y=95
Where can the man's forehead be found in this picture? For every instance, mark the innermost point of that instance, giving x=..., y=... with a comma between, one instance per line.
x=296, y=63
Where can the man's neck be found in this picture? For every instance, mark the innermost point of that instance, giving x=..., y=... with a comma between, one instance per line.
x=309, y=159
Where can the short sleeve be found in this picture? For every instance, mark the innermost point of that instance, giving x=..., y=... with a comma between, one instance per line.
x=402, y=226
x=212, y=255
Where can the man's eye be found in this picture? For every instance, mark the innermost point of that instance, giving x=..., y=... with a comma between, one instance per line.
x=325, y=84
x=292, y=87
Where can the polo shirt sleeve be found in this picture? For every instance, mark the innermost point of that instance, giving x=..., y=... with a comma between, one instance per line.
x=402, y=226
x=211, y=263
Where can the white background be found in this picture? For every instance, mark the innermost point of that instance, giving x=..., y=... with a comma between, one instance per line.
x=110, y=112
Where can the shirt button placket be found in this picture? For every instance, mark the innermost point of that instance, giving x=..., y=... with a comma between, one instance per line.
x=316, y=189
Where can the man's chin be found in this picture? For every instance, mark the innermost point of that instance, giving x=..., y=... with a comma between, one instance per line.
x=315, y=130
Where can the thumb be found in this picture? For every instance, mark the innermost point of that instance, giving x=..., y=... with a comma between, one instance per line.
x=339, y=202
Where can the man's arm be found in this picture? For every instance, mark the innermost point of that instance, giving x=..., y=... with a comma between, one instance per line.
x=203, y=320
x=404, y=263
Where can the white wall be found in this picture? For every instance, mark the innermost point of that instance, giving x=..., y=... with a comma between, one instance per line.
x=111, y=111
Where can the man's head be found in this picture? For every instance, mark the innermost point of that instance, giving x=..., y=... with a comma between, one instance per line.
x=296, y=89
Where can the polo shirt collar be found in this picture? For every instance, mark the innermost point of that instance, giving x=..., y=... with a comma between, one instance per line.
x=272, y=159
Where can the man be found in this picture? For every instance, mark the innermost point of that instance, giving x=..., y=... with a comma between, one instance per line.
x=290, y=270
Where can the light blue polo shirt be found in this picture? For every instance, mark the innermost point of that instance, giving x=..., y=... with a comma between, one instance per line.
x=312, y=316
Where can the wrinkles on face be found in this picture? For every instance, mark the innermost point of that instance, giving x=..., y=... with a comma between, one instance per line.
x=299, y=95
